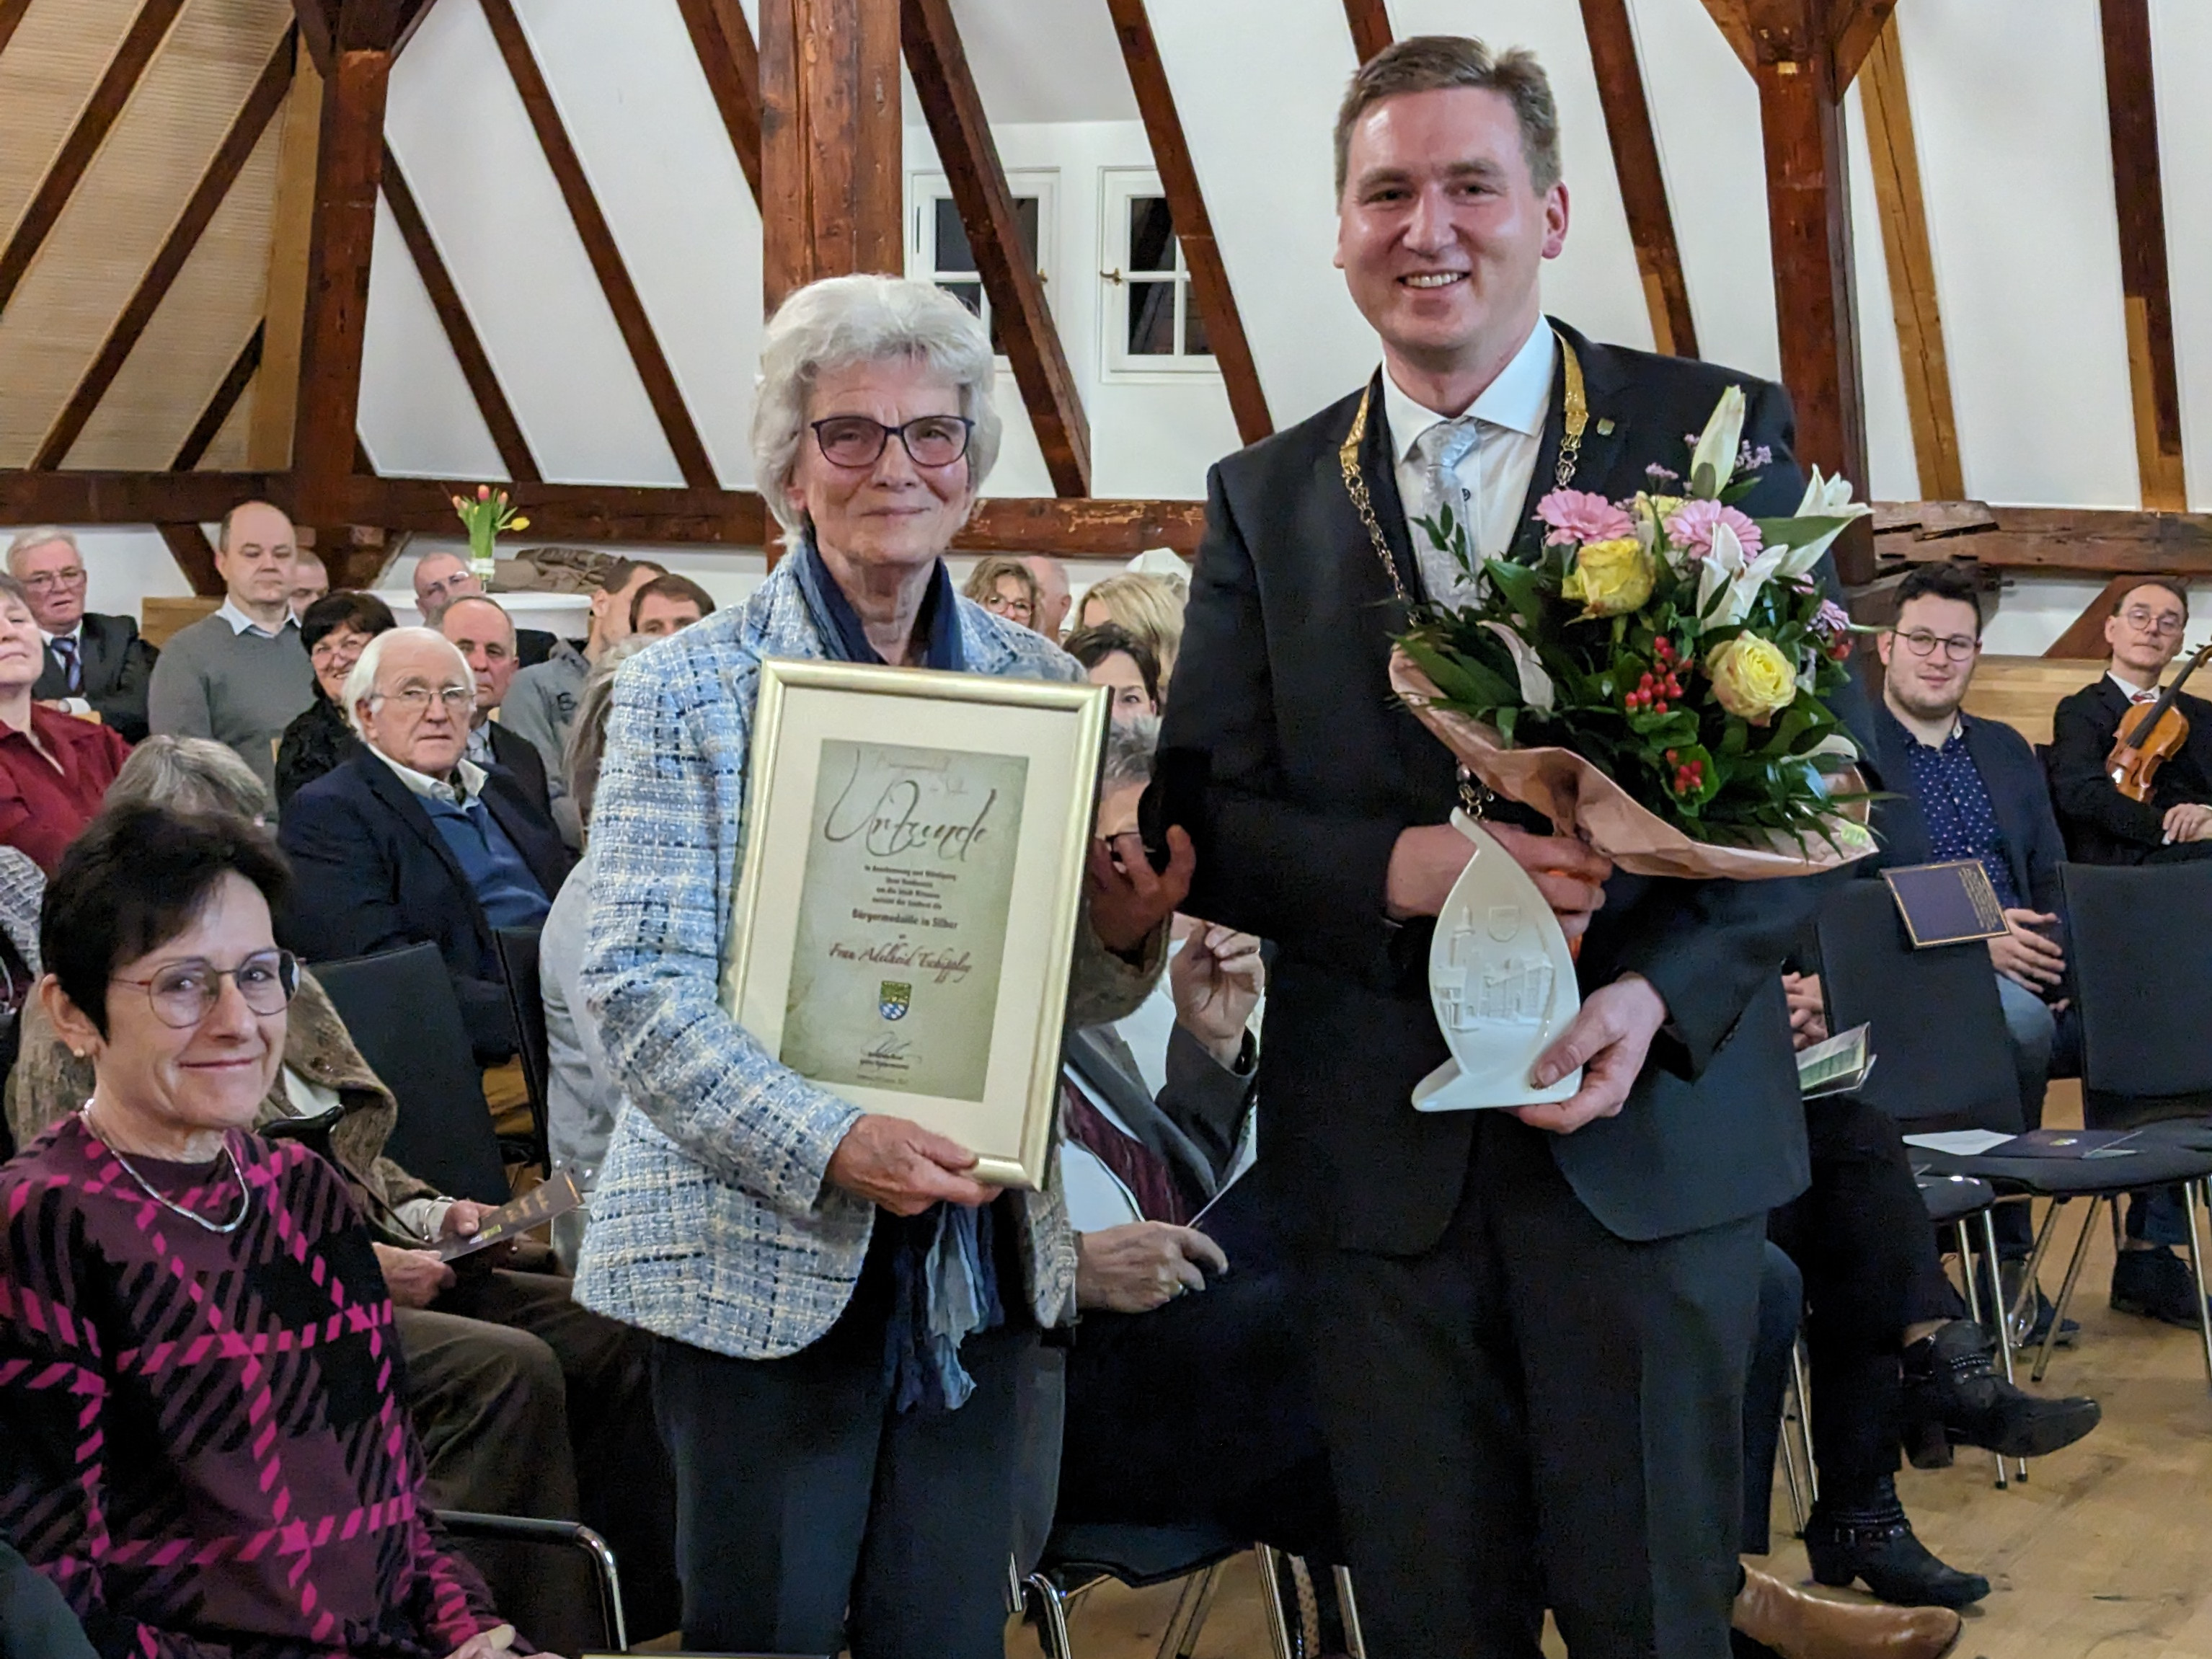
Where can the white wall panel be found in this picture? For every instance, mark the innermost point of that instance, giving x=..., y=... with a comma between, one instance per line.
x=2016, y=160
x=2181, y=52
x=418, y=417
x=667, y=178
x=460, y=129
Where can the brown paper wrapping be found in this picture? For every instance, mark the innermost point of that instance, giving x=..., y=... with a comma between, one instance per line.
x=1582, y=801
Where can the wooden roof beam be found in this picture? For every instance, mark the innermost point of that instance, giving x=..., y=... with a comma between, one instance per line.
x=232, y=387
x=1010, y=277
x=230, y=158
x=491, y=403
x=1635, y=147
x=11, y=14
x=117, y=83
x=723, y=42
x=320, y=23
x=1209, y=275
x=1912, y=264
x=1370, y=27
x=2131, y=108
x=620, y=293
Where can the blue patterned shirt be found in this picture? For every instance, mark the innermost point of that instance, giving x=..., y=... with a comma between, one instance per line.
x=1961, y=823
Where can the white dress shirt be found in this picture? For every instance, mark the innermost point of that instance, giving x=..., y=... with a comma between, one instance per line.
x=241, y=623
x=1493, y=479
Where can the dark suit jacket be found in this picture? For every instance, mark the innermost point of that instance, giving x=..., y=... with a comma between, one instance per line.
x=520, y=758
x=1282, y=680
x=116, y=663
x=2103, y=826
x=2019, y=798
x=374, y=874
x=1194, y=1122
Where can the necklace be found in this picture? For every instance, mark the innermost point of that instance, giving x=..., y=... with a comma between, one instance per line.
x=244, y=1192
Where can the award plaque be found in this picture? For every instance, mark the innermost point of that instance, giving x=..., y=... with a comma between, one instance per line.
x=1502, y=981
x=913, y=861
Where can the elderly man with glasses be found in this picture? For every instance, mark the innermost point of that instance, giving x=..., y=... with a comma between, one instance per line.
x=412, y=842
x=94, y=665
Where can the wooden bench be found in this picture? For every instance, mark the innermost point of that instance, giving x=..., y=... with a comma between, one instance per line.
x=2024, y=691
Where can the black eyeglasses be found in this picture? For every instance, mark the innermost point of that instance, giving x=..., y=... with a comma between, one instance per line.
x=1956, y=646
x=185, y=993
x=930, y=439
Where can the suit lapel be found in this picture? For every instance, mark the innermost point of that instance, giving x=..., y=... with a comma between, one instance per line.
x=383, y=783
x=502, y=800
x=1104, y=1061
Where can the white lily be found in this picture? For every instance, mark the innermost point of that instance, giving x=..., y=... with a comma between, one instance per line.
x=1536, y=690
x=1825, y=498
x=1834, y=743
x=1726, y=566
x=1717, y=445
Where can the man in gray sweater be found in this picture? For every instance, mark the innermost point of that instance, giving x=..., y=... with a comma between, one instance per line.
x=240, y=676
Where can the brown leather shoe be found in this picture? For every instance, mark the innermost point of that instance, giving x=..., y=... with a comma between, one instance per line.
x=1797, y=1626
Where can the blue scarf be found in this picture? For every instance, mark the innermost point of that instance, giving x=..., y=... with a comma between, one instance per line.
x=945, y=1280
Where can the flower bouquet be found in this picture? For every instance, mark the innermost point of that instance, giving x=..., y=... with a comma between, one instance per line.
x=1659, y=685
x=484, y=517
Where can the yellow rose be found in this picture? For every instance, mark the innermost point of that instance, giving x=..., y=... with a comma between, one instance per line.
x=1752, y=678
x=1611, y=578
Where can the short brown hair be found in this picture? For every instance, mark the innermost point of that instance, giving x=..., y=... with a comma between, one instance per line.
x=616, y=574
x=674, y=587
x=2170, y=584
x=1433, y=63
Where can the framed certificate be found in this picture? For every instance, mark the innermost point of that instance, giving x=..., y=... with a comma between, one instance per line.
x=914, y=847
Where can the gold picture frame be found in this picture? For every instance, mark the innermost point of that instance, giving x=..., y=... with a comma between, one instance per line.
x=912, y=879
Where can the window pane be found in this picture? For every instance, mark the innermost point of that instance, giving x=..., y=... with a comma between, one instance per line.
x=1025, y=216
x=1151, y=319
x=1151, y=234
x=968, y=294
x=1194, y=342
x=951, y=245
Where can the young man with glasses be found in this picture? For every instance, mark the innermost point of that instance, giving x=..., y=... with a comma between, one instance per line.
x=94, y=665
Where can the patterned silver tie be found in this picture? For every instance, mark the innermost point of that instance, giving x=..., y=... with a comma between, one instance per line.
x=1447, y=443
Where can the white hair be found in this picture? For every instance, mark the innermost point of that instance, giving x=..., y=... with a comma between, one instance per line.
x=38, y=536
x=361, y=683
x=843, y=321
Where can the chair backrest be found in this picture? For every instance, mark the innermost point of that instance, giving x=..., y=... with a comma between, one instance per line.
x=400, y=1010
x=1942, y=1056
x=2136, y=936
x=526, y=1004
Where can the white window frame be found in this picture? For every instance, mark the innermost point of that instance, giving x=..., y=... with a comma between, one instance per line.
x=924, y=189
x=1117, y=188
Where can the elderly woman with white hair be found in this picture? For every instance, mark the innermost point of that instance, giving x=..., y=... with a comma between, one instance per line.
x=846, y=1449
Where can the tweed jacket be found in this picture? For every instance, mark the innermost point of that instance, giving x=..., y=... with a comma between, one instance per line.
x=713, y=1223
x=49, y=1082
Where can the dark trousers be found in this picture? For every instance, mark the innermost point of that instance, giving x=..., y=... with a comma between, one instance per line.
x=1536, y=1412
x=1860, y=1236
x=811, y=1515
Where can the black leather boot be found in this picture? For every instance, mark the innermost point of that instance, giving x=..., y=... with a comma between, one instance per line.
x=1948, y=1380
x=1873, y=1542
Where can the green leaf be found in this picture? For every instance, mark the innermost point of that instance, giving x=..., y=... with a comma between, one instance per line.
x=1522, y=588
x=1460, y=679
x=1797, y=532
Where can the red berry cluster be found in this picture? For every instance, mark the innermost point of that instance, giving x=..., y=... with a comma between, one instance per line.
x=1689, y=774
x=1654, y=689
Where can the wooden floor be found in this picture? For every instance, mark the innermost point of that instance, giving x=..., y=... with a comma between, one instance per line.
x=2105, y=1550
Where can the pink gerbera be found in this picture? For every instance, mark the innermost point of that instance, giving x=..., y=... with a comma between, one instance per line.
x=1690, y=527
x=1582, y=515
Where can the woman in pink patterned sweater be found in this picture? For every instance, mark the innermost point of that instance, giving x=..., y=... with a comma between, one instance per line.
x=202, y=1441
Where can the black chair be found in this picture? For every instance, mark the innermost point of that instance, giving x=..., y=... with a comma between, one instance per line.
x=1954, y=1200
x=526, y=1006
x=400, y=1011
x=2144, y=1024
x=530, y=1529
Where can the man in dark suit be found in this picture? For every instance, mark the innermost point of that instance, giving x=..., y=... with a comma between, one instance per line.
x=483, y=632
x=1531, y=1326
x=411, y=842
x=2102, y=825
x=94, y=665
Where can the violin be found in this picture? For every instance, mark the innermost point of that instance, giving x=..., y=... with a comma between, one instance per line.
x=2150, y=735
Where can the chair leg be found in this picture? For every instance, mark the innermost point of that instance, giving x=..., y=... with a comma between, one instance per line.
x=2043, y=1237
x=1347, y=1604
x=1999, y=1316
x=1180, y=1639
x=2197, y=1268
x=1799, y=1383
x=1271, y=1598
x=1798, y=1508
x=1052, y=1617
x=2066, y=1290
x=2004, y=1325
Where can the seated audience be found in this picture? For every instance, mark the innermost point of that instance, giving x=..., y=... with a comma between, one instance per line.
x=275, y=1414
x=95, y=664
x=583, y=1095
x=411, y=842
x=336, y=629
x=543, y=699
x=240, y=676
x=54, y=768
x=1004, y=587
x=439, y=579
x=1149, y=607
x=1115, y=658
x=668, y=604
x=311, y=580
x=1051, y=578
x=484, y=634
x=496, y=1359
x=2103, y=826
